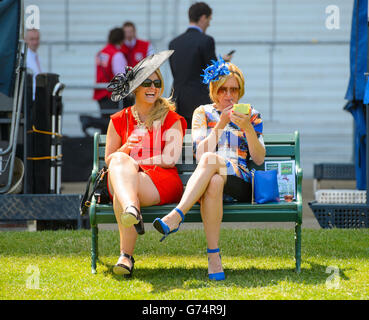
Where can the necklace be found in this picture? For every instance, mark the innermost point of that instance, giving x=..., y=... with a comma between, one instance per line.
x=137, y=118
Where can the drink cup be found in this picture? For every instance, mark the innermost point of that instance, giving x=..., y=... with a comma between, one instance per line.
x=140, y=133
x=289, y=196
x=135, y=139
x=138, y=138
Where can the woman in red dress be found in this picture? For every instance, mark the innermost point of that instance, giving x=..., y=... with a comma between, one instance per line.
x=143, y=144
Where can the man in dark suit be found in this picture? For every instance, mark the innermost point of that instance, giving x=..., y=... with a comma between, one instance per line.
x=193, y=52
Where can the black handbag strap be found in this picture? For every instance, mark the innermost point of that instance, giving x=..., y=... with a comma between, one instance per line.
x=86, y=199
x=82, y=207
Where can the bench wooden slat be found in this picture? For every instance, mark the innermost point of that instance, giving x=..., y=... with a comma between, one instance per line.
x=186, y=167
x=101, y=163
x=228, y=207
x=279, y=138
x=280, y=150
x=271, y=150
x=270, y=216
x=102, y=139
x=184, y=178
x=234, y=212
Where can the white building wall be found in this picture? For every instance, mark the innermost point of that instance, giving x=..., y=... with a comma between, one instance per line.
x=305, y=91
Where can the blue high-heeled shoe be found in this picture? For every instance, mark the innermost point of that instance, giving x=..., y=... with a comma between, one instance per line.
x=219, y=275
x=163, y=228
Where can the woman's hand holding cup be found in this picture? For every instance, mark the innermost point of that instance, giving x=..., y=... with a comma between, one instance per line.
x=134, y=141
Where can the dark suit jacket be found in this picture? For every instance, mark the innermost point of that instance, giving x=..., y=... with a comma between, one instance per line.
x=193, y=52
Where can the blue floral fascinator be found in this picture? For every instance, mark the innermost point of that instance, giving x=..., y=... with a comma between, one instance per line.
x=215, y=71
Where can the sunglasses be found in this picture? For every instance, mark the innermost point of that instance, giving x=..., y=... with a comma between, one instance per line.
x=148, y=82
x=231, y=90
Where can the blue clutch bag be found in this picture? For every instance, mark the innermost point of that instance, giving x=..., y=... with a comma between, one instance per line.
x=265, y=186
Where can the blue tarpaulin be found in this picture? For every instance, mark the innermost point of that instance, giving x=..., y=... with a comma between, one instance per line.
x=357, y=109
x=366, y=96
x=357, y=86
x=358, y=51
x=9, y=37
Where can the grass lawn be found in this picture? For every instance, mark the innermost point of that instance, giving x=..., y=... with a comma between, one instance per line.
x=259, y=264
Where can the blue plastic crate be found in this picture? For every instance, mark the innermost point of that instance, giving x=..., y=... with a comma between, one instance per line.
x=334, y=171
x=341, y=215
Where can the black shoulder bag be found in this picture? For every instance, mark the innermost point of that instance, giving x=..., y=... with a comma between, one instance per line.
x=100, y=188
x=99, y=191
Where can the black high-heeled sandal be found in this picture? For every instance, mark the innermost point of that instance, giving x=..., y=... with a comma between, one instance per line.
x=121, y=269
x=128, y=218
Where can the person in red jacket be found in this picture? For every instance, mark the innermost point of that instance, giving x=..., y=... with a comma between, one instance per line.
x=134, y=49
x=109, y=62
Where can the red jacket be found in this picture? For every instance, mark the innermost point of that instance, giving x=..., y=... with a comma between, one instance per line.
x=104, y=71
x=137, y=53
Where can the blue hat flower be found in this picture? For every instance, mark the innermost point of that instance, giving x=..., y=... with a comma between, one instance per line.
x=217, y=69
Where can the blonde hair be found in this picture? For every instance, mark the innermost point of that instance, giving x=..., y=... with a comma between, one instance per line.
x=234, y=72
x=161, y=106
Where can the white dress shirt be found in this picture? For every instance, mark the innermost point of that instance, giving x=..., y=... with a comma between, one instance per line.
x=33, y=64
x=118, y=63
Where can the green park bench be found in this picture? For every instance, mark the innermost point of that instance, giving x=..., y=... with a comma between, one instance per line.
x=278, y=147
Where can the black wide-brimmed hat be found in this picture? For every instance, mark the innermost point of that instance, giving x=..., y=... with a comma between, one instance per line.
x=124, y=83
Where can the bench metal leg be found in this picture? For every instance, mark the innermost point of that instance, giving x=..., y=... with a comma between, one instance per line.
x=94, y=248
x=298, y=247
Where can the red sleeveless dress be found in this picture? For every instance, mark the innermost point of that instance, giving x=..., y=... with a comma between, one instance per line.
x=166, y=180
